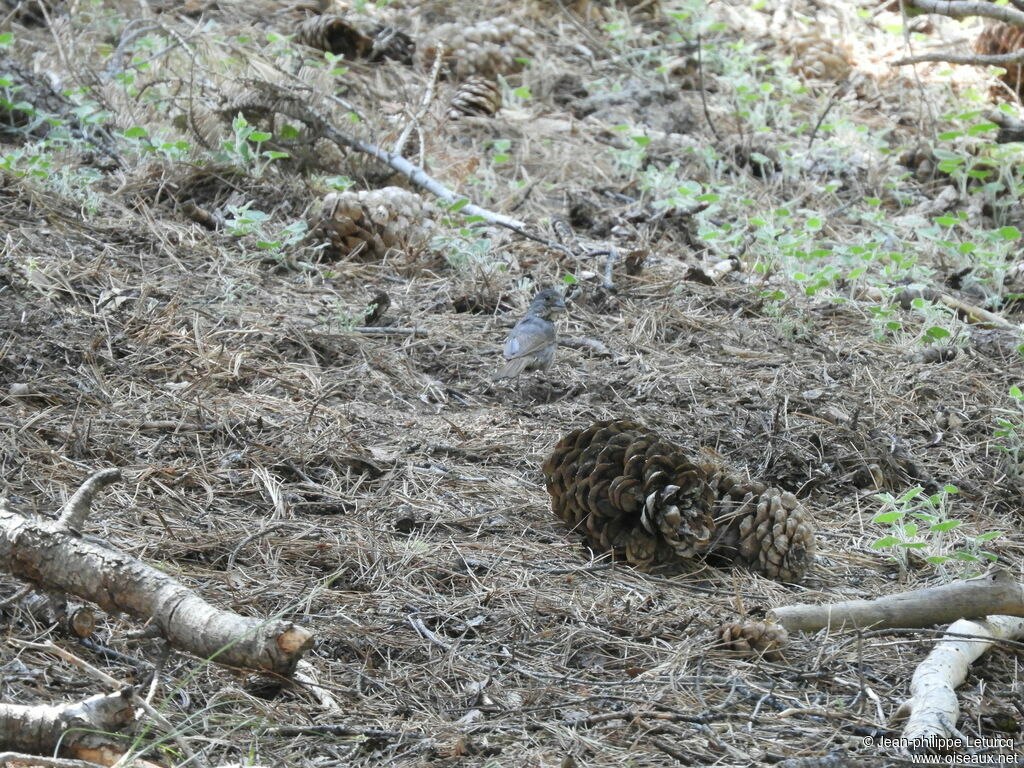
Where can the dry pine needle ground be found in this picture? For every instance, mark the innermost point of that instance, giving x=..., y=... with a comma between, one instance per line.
x=384, y=492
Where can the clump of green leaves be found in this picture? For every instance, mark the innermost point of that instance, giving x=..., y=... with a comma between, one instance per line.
x=918, y=521
x=243, y=147
x=247, y=221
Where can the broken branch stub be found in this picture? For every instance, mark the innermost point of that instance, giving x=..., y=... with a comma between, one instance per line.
x=54, y=557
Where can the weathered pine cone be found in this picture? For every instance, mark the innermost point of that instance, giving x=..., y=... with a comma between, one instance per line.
x=630, y=492
x=762, y=528
x=371, y=223
x=477, y=96
x=998, y=37
x=494, y=47
x=333, y=34
x=818, y=56
x=754, y=638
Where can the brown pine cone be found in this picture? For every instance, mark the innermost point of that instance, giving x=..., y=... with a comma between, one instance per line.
x=998, y=37
x=334, y=34
x=630, y=492
x=371, y=223
x=477, y=96
x=762, y=528
x=754, y=638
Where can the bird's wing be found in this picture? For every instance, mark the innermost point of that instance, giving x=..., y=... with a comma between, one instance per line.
x=530, y=335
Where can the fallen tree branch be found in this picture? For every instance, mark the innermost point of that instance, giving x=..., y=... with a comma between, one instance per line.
x=971, y=313
x=275, y=98
x=932, y=709
x=995, y=592
x=963, y=9
x=975, y=59
x=57, y=558
x=82, y=730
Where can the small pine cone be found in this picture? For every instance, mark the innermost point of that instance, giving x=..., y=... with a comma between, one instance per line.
x=369, y=224
x=763, y=528
x=333, y=34
x=817, y=56
x=490, y=48
x=477, y=96
x=630, y=492
x=998, y=37
x=754, y=638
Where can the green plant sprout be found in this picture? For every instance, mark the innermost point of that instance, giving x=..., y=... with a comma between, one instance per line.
x=921, y=522
x=243, y=148
x=246, y=220
x=1010, y=433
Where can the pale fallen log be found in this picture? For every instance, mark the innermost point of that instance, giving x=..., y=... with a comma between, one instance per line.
x=83, y=730
x=994, y=592
x=932, y=709
x=972, y=313
x=53, y=556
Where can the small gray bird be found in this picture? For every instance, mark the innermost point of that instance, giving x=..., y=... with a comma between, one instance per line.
x=531, y=344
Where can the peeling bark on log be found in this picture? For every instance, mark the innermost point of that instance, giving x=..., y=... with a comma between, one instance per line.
x=54, y=557
x=992, y=593
x=81, y=729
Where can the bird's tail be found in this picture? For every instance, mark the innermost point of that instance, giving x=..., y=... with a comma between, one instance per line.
x=511, y=369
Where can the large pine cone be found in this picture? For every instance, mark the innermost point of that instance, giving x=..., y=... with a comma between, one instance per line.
x=630, y=492
x=371, y=223
x=494, y=47
x=998, y=37
x=762, y=528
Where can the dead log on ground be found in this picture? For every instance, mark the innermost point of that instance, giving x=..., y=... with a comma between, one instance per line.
x=993, y=593
x=932, y=709
x=54, y=556
x=83, y=730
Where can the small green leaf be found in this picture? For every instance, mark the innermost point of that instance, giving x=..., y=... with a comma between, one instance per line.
x=6, y=38
x=641, y=141
x=522, y=92
x=937, y=332
x=950, y=135
x=949, y=525
x=937, y=559
x=259, y=136
x=458, y=205
x=887, y=517
x=913, y=544
x=569, y=279
x=135, y=132
x=885, y=541
x=1009, y=233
